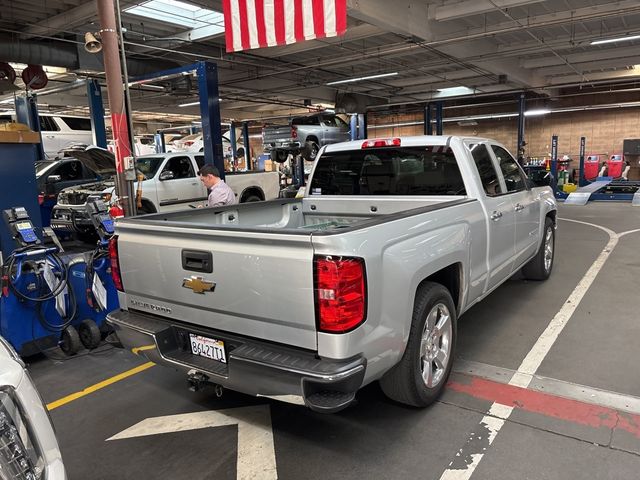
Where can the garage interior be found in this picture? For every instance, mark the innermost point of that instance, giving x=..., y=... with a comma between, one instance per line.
x=557, y=83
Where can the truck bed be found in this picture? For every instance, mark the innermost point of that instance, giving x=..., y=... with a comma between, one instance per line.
x=299, y=216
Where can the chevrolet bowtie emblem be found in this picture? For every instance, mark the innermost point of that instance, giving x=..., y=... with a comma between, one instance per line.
x=198, y=285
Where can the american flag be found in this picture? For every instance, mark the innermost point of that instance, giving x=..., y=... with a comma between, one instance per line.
x=266, y=23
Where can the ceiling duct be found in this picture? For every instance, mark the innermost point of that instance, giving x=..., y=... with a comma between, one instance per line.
x=71, y=56
x=355, y=102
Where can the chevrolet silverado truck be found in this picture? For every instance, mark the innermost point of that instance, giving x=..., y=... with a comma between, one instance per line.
x=170, y=183
x=363, y=279
x=304, y=135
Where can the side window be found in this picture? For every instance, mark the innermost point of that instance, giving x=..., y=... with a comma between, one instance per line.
x=75, y=123
x=512, y=175
x=488, y=174
x=70, y=171
x=181, y=167
x=200, y=161
x=47, y=124
x=341, y=123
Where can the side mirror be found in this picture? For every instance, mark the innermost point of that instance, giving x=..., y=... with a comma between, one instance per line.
x=166, y=175
x=54, y=178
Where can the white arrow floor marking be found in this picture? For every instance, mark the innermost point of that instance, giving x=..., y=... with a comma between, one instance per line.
x=256, y=451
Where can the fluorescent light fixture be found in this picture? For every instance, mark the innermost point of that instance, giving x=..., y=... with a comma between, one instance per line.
x=537, y=112
x=614, y=40
x=453, y=91
x=360, y=79
x=190, y=104
x=180, y=13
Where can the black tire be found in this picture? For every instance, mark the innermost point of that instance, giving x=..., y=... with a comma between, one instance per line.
x=251, y=198
x=405, y=383
x=279, y=156
x=311, y=151
x=87, y=236
x=70, y=341
x=89, y=334
x=145, y=209
x=537, y=268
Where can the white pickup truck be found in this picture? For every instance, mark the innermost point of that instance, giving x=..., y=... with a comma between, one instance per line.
x=362, y=280
x=170, y=183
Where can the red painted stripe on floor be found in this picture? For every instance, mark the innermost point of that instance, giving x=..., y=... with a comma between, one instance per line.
x=549, y=405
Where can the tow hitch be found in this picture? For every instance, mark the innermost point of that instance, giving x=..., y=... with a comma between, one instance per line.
x=198, y=380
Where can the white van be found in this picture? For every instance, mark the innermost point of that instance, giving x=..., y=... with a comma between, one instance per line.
x=59, y=132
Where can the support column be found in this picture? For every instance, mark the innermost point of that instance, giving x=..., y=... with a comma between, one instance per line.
x=247, y=146
x=438, y=118
x=96, y=110
x=234, y=143
x=362, y=126
x=428, y=126
x=113, y=73
x=581, y=180
x=27, y=113
x=521, y=118
x=353, y=124
x=554, y=163
x=159, y=140
x=210, y=113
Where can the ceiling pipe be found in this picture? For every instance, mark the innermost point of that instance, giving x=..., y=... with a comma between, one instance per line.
x=61, y=54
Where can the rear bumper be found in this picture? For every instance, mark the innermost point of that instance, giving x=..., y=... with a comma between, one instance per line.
x=284, y=145
x=253, y=367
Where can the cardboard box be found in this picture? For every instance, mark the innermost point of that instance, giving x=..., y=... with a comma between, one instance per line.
x=268, y=166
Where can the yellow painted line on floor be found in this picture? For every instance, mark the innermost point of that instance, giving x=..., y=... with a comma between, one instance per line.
x=143, y=348
x=98, y=386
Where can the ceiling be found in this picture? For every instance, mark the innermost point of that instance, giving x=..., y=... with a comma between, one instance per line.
x=491, y=47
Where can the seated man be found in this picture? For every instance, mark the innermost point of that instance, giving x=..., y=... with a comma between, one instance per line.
x=219, y=192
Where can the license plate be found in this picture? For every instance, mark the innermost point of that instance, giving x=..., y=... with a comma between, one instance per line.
x=208, y=347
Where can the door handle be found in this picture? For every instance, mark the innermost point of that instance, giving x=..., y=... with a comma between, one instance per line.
x=495, y=215
x=519, y=207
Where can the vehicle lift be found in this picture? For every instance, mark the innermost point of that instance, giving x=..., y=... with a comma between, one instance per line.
x=46, y=298
x=602, y=188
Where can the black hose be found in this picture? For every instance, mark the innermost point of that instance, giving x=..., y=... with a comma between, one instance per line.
x=73, y=309
x=62, y=281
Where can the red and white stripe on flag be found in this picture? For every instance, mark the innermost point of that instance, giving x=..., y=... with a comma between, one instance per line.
x=265, y=23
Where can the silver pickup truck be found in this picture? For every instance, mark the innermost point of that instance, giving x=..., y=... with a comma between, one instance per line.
x=307, y=300
x=304, y=135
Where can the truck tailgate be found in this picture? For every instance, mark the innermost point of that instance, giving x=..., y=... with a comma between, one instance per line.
x=262, y=283
x=277, y=133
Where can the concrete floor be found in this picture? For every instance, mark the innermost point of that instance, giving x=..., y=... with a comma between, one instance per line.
x=579, y=418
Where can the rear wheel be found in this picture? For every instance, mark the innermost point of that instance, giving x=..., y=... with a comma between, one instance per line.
x=311, y=151
x=420, y=376
x=251, y=198
x=540, y=266
x=279, y=156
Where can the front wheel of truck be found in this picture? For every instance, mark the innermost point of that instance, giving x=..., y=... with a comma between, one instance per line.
x=420, y=376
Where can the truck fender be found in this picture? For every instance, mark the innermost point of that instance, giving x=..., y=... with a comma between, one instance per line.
x=438, y=250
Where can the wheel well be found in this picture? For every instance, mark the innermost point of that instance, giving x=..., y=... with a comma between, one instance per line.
x=552, y=215
x=312, y=138
x=449, y=277
x=148, y=205
x=251, y=191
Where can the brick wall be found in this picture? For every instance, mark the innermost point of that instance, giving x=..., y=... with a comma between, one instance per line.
x=605, y=130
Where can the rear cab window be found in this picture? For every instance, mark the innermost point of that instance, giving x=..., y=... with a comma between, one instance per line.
x=486, y=169
x=430, y=170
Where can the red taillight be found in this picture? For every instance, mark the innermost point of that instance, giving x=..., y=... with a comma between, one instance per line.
x=294, y=132
x=381, y=142
x=340, y=289
x=115, y=263
x=40, y=198
x=188, y=143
